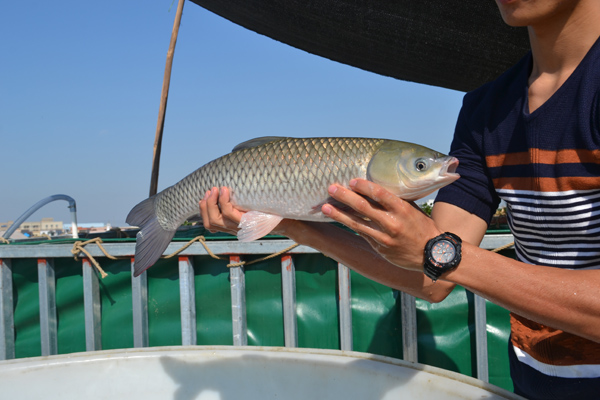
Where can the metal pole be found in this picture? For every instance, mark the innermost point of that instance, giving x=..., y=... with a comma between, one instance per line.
x=345, y=296
x=481, y=339
x=288, y=294
x=139, y=297
x=48, y=321
x=409, y=327
x=91, y=306
x=7, y=321
x=187, y=298
x=238, y=303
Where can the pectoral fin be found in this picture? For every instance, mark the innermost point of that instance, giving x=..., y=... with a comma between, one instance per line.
x=255, y=224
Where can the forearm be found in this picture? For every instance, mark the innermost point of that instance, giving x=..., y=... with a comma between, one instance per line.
x=559, y=298
x=354, y=252
x=219, y=214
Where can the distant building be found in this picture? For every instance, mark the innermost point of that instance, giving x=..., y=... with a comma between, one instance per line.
x=47, y=226
x=50, y=227
x=90, y=227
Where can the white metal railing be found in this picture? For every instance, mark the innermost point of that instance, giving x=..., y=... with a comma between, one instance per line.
x=45, y=253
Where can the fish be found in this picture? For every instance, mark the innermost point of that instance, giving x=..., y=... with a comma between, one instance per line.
x=272, y=178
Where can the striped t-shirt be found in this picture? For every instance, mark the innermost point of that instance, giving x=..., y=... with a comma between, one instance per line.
x=546, y=166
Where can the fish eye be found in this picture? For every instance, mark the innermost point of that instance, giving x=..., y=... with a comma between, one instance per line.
x=421, y=165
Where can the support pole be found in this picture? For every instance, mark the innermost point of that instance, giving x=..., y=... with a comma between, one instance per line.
x=345, y=301
x=288, y=294
x=409, y=327
x=481, y=346
x=163, y=101
x=187, y=299
x=48, y=320
x=238, y=303
x=92, y=307
x=7, y=319
x=139, y=297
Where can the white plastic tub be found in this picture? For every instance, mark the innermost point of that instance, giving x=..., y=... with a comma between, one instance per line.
x=233, y=373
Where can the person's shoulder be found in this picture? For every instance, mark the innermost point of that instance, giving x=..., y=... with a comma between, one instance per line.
x=510, y=83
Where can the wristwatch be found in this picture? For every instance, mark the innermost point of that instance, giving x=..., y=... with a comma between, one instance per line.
x=442, y=254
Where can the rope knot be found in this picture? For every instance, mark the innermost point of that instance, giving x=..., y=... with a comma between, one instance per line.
x=79, y=247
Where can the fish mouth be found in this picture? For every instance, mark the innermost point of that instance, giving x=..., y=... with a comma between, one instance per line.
x=449, y=168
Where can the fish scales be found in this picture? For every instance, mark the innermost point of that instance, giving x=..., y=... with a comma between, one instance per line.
x=300, y=172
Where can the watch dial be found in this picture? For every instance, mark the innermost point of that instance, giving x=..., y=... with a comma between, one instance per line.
x=443, y=251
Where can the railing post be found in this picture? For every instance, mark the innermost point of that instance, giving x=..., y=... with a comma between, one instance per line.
x=409, y=327
x=7, y=320
x=139, y=297
x=288, y=294
x=345, y=298
x=92, y=307
x=481, y=339
x=238, y=303
x=187, y=298
x=48, y=321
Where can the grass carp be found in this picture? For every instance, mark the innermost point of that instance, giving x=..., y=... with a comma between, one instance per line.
x=277, y=177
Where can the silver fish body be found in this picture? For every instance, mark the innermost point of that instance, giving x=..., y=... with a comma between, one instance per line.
x=275, y=178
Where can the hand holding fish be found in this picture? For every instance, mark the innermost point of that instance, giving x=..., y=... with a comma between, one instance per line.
x=395, y=228
x=218, y=213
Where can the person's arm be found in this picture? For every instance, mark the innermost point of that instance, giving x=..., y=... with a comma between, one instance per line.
x=559, y=298
x=354, y=252
x=218, y=214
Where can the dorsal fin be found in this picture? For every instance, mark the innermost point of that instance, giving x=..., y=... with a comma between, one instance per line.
x=256, y=142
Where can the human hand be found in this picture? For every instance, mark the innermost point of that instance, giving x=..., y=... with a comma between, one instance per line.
x=395, y=228
x=218, y=212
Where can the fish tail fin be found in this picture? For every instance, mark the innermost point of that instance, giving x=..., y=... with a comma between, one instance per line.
x=152, y=238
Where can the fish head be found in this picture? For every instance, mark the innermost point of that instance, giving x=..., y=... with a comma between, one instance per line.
x=411, y=171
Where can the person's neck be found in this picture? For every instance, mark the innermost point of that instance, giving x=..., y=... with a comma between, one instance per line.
x=559, y=45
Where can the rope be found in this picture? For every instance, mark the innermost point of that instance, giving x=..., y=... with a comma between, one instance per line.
x=3, y=240
x=506, y=246
x=79, y=247
x=242, y=263
x=202, y=241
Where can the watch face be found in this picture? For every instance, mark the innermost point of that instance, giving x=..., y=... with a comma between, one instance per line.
x=443, y=251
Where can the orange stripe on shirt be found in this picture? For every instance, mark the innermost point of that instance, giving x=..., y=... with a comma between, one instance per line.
x=545, y=157
x=542, y=343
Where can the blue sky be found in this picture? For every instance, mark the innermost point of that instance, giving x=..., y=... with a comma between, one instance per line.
x=80, y=90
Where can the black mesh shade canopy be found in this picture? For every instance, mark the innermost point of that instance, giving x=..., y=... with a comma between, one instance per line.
x=452, y=44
